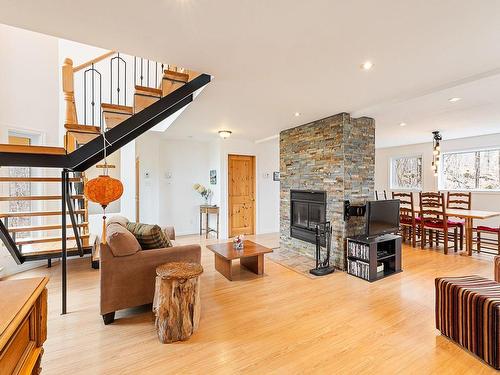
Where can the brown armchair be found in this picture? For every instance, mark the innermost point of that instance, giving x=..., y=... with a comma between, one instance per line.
x=128, y=272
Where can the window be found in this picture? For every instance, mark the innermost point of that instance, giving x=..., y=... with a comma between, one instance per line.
x=471, y=170
x=406, y=173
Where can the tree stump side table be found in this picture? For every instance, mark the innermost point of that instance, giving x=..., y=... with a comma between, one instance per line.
x=176, y=301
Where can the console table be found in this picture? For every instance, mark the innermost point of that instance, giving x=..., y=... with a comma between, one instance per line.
x=23, y=325
x=208, y=210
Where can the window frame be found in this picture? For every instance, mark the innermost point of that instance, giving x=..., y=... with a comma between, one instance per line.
x=466, y=151
x=422, y=174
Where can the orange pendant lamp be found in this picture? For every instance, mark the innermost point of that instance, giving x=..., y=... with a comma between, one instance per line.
x=103, y=190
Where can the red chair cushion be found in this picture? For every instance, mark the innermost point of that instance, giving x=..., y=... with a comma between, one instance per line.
x=438, y=224
x=456, y=223
x=408, y=220
x=488, y=229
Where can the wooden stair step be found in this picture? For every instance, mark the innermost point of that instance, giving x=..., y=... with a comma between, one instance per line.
x=51, y=249
x=115, y=114
x=125, y=109
x=176, y=76
x=82, y=134
x=36, y=228
x=172, y=80
x=41, y=150
x=144, y=97
x=77, y=128
x=38, y=198
x=144, y=90
x=38, y=179
x=36, y=213
x=29, y=241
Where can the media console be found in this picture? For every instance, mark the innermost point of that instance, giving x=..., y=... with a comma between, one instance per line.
x=373, y=258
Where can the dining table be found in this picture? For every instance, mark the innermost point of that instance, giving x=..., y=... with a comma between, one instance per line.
x=468, y=216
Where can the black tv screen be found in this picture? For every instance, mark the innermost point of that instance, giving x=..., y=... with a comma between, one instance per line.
x=382, y=217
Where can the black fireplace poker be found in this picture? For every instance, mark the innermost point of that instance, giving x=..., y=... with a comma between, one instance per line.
x=323, y=236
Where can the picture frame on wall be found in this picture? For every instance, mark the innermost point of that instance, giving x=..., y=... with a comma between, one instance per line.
x=276, y=176
x=213, y=177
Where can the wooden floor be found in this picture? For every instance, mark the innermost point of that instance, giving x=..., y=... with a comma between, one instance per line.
x=282, y=323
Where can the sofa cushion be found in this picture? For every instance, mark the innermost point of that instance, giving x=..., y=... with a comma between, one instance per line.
x=121, y=241
x=122, y=220
x=149, y=236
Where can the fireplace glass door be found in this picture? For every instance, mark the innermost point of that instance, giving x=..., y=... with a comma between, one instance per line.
x=316, y=215
x=300, y=214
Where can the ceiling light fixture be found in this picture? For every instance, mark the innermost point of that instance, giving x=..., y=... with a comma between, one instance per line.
x=402, y=124
x=367, y=65
x=454, y=100
x=225, y=133
x=436, y=151
x=296, y=114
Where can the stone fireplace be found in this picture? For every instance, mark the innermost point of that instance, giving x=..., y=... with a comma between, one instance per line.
x=322, y=164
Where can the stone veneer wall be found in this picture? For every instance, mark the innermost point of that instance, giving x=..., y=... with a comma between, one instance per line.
x=336, y=155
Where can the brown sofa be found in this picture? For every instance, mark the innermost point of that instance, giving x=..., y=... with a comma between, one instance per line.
x=128, y=272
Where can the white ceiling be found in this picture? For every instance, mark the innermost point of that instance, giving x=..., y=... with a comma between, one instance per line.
x=273, y=58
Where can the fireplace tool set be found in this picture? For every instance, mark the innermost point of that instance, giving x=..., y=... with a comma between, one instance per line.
x=323, y=239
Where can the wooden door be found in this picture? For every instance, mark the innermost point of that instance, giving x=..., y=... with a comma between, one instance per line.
x=241, y=194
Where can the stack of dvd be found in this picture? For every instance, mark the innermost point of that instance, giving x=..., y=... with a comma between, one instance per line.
x=358, y=250
x=358, y=268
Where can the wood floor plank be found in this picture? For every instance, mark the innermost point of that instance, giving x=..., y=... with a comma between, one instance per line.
x=282, y=323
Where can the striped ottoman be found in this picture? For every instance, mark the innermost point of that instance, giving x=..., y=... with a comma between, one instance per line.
x=468, y=312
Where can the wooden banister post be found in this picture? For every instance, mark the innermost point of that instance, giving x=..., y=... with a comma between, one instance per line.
x=69, y=91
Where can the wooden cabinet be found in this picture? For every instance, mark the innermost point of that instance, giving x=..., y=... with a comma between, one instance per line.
x=23, y=325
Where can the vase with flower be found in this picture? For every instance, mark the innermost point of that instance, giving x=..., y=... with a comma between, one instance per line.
x=203, y=191
x=238, y=242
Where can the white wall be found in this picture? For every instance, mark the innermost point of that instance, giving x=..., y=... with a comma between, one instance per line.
x=480, y=200
x=182, y=164
x=268, y=155
x=173, y=166
x=148, y=152
x=29, y=100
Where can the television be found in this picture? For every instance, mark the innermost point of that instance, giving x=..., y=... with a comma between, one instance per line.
x=382, y=217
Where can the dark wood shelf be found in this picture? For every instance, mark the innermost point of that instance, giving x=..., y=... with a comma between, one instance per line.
x=389, y=245
x=386, y=257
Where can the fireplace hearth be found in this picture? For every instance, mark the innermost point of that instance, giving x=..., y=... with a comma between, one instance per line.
x=307, y=209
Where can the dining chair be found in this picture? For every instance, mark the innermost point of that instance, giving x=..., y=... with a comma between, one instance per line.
x=377, y=195
x=434, y=221
x=407, y=219
x=459, y=201
x=488, y=238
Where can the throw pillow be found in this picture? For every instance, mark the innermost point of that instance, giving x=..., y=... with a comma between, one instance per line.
x=121, y=241
x=149, y=236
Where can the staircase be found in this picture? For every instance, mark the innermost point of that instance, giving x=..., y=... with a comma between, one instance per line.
x=155, y=98
x=35, y=242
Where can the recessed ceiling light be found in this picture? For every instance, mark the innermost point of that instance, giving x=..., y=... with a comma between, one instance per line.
x=367, y=65
x=296, y=114
x=454, y=100
x=402, y=124
x=225, y=133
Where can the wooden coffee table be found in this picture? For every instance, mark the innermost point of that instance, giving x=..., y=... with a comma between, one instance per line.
x=251, y=257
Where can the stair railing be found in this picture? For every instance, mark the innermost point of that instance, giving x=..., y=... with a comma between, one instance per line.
x=93, y=78
x=146, y=72
x=117, y=62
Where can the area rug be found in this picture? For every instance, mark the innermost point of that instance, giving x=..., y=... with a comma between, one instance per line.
x=293, y=261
